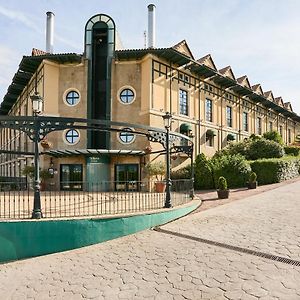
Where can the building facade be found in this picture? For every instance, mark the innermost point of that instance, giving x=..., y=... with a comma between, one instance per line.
x=135, y=86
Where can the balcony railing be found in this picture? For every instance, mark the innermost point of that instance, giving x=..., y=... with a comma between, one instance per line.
x=79, y=199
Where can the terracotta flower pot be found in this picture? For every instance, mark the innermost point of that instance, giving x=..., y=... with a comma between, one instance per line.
x=160, y=187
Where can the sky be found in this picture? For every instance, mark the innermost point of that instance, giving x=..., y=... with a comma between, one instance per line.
x=257, y=38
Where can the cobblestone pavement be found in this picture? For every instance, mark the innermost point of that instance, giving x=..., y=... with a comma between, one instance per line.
x=155, y=265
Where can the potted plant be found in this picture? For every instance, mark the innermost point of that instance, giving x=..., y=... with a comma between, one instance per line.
x=223, y=191
x=157, y=169
x=44, y=175
x=252, y=183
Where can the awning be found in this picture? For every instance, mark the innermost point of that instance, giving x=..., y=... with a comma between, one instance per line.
x=231, y=137
x=185, y=128
x=210, y=132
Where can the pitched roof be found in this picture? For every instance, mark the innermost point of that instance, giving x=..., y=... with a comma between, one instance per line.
x=183, y=47
x=288, y=106
x=257, y=88
x=279, y=101
x=207, y=61
x=244, y=81
x=269, y=95
x=227, y=71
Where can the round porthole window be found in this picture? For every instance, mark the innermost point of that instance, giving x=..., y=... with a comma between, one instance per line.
x=72, y=97
x=127, y=95
x=72, y=136
x=126, y=136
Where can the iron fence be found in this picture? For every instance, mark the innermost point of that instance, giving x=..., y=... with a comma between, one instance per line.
x=78, y=199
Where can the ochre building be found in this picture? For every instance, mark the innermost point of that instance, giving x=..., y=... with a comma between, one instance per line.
x=136, y=86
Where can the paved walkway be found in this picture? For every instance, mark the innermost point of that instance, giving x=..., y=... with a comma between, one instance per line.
x=158, y=265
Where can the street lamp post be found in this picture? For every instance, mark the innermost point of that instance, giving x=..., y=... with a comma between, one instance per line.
x=192, y=192
x=37, y=105
x=167, y=123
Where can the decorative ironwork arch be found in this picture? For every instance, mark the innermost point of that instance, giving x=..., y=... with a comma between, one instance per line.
x=38, y=127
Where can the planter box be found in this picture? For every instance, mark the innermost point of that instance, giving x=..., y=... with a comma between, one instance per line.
x=252, y=185
x=223, y=194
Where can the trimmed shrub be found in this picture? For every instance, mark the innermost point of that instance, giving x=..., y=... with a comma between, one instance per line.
x=233, y=167
x=222, y=183
x=262, y=148
x=203, y=173
x=292, y=150
x=275, y=170
x=273, y=135
x=183, y=173
x=252, y=177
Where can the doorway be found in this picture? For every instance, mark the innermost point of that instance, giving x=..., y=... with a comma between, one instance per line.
x=71, y=177
x=126, y=177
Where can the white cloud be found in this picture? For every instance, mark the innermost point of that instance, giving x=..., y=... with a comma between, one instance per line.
x=9, y=59
x=19, y=16
x=29, y=23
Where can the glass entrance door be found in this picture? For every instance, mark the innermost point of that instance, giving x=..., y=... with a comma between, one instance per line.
x=71, y=177
x=126, y=177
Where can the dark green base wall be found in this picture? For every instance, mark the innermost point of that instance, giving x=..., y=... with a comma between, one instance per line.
x=24, y=239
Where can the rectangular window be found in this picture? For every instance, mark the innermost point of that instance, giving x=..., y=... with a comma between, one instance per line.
x=229, y=116
x=258, y=125
x=289, y=136
x=270, y=126
x=208, y=110
x=245, y=121
x=71, y=177
x=280, y=131
x=183, y=102
x=210, y=141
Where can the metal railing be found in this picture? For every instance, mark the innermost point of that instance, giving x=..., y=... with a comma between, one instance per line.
x=78, y=199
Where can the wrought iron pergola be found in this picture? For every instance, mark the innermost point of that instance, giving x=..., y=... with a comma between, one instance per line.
x=38, y=127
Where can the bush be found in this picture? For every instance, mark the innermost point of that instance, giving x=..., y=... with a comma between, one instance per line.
x=203, y=173
x=262, y=148
x=183, y=173
x=292, y=150
x=234, y=168
x=239, y=147
x=253, y=148
x=157, y=169
x=273, y=135
x=252, y=177
x=275, y=170
x=222, y=183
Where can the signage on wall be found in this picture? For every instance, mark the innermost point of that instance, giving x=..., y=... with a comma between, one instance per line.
x=94, y=159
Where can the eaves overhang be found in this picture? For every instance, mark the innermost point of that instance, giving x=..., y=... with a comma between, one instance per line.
x=168, y=54
x=27, y=67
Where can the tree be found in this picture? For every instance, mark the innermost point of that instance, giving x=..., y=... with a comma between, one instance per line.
x=273, y=135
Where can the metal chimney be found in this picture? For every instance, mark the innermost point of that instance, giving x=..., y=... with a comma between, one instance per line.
x=49, y=32
x=151, y=26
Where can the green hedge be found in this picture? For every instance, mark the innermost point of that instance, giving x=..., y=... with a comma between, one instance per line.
x=234, y=168
x=183, y=173
x=292, y=150
x=275, y=170
x=203, y=173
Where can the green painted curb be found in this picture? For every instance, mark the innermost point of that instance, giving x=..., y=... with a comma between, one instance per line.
x=24, y=239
